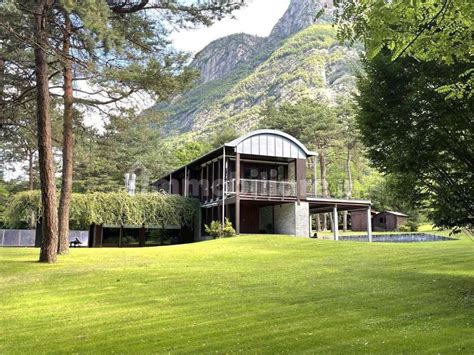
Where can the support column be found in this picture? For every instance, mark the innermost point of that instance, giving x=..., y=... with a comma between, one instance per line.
x=335, y=224
x=223, y=185
x=213, y=181
x=208, y=184
x=98, y=235
x=369, y=224
x=142, y=236
x=315, y=172
x=237, y=193
x=201, y=185
x=310, y=225
x=185, y=188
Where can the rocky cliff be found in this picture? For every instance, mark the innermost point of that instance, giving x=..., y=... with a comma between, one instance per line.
x=240, y=73
x=222, y=56
x=299, y=15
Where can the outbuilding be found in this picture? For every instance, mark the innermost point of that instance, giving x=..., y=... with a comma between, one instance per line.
x=388, y=221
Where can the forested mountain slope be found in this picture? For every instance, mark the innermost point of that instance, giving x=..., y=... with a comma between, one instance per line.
x=241, y=72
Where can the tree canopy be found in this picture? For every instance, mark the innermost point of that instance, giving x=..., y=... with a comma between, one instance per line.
x=411, y=131
x=429, y=30
x=150, y=209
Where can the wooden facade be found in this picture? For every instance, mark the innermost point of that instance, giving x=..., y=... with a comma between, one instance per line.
x=388, y=221
x=358, y=220
x=381, y=221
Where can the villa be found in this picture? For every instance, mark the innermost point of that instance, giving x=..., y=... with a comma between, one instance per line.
x=258, y=181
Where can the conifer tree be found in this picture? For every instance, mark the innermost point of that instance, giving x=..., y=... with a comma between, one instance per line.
x=119, y=48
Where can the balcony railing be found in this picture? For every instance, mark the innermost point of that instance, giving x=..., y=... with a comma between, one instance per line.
x=266, y=188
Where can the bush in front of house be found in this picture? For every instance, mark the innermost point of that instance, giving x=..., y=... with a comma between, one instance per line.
x=216, y=230
x=228, y=231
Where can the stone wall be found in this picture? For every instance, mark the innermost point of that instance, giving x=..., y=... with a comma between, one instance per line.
x=292, y=219
x=285, y=219
x=302, y=219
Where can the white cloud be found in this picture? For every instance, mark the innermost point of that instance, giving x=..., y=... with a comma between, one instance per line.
x=257, y=18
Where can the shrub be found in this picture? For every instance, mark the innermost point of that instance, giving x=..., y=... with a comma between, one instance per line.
x=412, y=225
x=228, y=231
x=403, y=228
x=409, y=226
x=216, y=230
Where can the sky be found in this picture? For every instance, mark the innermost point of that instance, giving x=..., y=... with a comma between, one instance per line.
x=257, y=18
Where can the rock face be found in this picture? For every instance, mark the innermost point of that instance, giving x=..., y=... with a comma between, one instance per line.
x=240, y=73
x=223, y=55
x=299, y=15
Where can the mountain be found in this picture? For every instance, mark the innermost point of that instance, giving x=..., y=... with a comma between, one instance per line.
x=299, y=15
x=241, y=72
x=224, y=55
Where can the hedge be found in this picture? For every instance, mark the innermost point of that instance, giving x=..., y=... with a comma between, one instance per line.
x=109, y=208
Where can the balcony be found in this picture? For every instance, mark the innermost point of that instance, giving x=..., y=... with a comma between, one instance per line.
x=263, y=188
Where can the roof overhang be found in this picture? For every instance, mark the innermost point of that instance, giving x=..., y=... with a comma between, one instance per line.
x=324, y=204
x=270, y=142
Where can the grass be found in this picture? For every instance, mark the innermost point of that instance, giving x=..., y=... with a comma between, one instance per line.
x=253, y=294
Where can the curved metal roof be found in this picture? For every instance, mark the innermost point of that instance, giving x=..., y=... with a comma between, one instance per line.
x=270, y=142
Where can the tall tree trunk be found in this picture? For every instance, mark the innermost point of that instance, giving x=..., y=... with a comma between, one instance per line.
x=344, y=221
x=324, y=222
x=349, y=184
x=2, y=86
x=323, y=171
x=31, y=155
x=349, y=173
x=68, y=141
x=324, y=184
x=317, y=223
x=49, y=246
x=314, y=188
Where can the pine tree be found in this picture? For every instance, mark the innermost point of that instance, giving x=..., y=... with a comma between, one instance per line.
x=118, y=48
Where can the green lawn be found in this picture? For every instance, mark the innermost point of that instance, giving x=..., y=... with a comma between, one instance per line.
x=251, y=294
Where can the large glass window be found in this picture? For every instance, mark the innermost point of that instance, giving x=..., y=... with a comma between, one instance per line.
x=130, y=237
x=281, y=173
x=110, y=237
x=264, y=172
x=161, y=236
